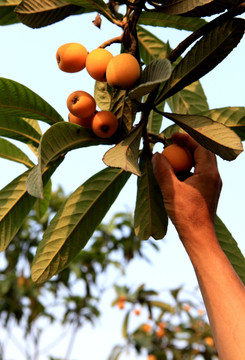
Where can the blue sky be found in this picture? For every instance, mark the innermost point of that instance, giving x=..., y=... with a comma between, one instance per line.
x=28, y=56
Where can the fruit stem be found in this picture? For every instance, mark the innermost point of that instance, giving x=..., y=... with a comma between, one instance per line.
x=117, y=39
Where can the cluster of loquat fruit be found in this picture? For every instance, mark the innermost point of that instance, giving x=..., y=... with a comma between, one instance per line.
x=120, y=71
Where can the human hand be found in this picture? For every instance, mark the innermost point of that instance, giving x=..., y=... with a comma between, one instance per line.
x=191, y=204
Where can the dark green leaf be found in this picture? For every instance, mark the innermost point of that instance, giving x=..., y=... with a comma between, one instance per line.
x=190, y=100
x=151, y=48
x=230, y=248
x=19, y=129
x=210, y=134
x=152, y=76
x=214, y=7
x=11, y=152
x=155, y=120
x=124, y=109
x=125, y=325
x=42, y=205
x=204, y=56
x=75, y=222
x=150, y=218
x=172, y=21
x=7, y=15
x=175, y=7
x=15, y=205
x=19, y=101
x=125, y=154
x=102, y=95
x=56, y=141
x=98, y=6
x=39, y=13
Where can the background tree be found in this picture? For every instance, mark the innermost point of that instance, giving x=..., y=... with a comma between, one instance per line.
x=171, y=329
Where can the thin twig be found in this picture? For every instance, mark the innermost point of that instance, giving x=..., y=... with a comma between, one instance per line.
x=117, y=39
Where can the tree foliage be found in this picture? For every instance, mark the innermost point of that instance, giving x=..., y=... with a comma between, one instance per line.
x=168, y=77
x=72, y=299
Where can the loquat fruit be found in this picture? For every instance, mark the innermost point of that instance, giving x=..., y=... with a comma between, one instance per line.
x=160, y=333
x=151, y=357
x=179, y=157
x=120, y=304
x=122, y=297
x=209, y=341
x=81, y=104
x=123, y=71
x=137, y=312
x=104, y=124
x=146, y=327
x=96, y=63
x=87, y=122
x=71, y=57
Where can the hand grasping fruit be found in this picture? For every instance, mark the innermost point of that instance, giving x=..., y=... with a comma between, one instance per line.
x=179, y=157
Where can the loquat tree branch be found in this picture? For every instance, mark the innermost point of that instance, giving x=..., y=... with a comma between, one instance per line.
x=238, y=10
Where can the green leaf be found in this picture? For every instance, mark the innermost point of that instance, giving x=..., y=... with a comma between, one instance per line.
x=125, y=154
x=175, y=7
x=172, y=21
x=190, y=100
x=150, y=217
x=102, y=95
x=230, y=248
x=98, y=6
x=151, y=48
x=19, y=129
x=11, y=152
x=152, y=76
x=39, y=13
x=15, y=205
x=204, y=56
x=124, y=109
x=56, y=141
x=125, y=325
x=214, y=7
x=233, y=117
x=7, y=15
x=163, y=306
x=17, y=100
x=42, y=205
x=210, y=134
x=155, y=120
x=75, y=222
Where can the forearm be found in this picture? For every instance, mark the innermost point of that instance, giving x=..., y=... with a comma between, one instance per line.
x=223, y=293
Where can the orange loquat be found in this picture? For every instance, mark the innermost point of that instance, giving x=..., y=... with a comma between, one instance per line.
x=179, y=157
x=96, y=63
x=71, y=57
x=104, y=124
x=81, y=104
x=123, y=71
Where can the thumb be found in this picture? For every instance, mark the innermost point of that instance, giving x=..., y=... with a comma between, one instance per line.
x=163, y=171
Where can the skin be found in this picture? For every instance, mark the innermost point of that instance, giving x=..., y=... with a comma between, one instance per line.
x=191, y=206
x=123, y=71
x=96, y=63
x=71, y=57
x=104, y=124
x=81, y=104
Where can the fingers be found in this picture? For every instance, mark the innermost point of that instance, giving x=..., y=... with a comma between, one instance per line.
x=163, y=171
